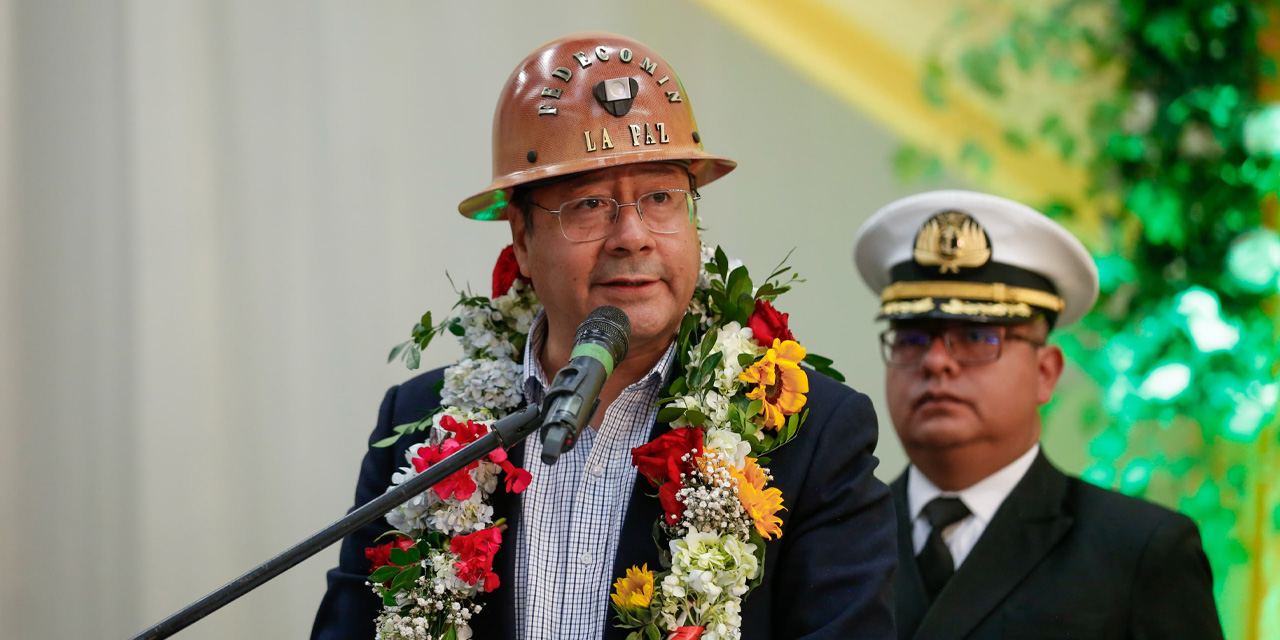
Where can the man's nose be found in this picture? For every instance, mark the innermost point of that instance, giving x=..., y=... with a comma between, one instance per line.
x=938, y=359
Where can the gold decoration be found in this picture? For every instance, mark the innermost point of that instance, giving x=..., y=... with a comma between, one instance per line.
x=951, y=240
x=987, y=292
x=995, y=309
x=914, y=307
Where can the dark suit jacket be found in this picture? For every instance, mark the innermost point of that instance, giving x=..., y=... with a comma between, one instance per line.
x=828, y=577
x=1065, y=559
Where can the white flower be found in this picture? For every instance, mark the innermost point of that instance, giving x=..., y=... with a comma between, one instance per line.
x=710, y=564
x=731, y=341
x=455, y=517
x=730, y=445
x=474, y=384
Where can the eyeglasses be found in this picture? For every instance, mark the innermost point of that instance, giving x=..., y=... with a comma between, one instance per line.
x=591, y=218
x=966, y=344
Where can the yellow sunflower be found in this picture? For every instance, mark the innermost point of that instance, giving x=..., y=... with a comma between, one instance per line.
x=780, y=382
x=634, y=591
x=761, y=504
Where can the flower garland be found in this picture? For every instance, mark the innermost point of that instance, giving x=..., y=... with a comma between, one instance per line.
x=741, y=394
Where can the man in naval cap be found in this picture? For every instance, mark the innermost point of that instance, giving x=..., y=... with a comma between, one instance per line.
x=994, y=541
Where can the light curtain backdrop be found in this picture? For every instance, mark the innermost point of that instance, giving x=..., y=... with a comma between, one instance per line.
x=216, y=217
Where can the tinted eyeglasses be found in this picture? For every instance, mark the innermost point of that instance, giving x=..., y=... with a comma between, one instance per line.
x=966, y=344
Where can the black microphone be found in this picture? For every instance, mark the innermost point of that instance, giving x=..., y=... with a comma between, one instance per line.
x=600, y=343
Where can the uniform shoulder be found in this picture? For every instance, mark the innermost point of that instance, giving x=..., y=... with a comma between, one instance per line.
x=1121, y=514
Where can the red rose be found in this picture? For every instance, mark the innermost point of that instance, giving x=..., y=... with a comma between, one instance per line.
x=687, y=633
x=662, y=459
x=767, y=323
x=506, y=272
x=670, y=503
x=475, y=556
x=381, y=554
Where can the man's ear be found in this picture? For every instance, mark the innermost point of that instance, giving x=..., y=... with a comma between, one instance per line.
x=519, y=239
x=1050, y=362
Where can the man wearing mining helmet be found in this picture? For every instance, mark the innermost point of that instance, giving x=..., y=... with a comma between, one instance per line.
x=993, y=540
x=597, y=163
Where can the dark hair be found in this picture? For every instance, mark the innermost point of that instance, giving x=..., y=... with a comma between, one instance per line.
x=522, y=201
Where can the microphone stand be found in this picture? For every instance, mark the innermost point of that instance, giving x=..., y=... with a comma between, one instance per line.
x=504, y=433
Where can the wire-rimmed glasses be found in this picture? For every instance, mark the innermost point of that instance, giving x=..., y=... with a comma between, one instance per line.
x=586, y=219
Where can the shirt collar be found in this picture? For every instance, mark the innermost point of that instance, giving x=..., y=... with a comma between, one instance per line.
x=535, y=378
x=982, y=499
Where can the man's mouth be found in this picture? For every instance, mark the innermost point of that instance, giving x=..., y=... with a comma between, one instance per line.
x=629, y=283
x=938, y=397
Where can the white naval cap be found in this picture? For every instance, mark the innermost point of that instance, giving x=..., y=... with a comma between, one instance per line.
x=974, y=256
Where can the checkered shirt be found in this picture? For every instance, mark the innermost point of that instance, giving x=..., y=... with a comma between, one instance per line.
x=572, y=512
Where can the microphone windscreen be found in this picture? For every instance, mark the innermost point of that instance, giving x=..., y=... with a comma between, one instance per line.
x=608, y=326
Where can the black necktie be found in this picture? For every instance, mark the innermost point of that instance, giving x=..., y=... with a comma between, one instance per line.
x=935, y=562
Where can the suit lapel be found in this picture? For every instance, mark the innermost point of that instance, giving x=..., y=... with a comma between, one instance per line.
x=912, y=604
x=499, y=617
x=1027, y=526
x=635, y=543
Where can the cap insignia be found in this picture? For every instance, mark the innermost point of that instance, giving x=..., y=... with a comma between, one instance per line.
x=951, y=240
x=616, y=94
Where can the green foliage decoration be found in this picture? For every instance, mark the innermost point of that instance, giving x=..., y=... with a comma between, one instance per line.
x=1183, y=342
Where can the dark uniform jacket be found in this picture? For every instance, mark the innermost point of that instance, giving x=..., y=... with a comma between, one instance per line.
x=1063, y=558
x=828, y=577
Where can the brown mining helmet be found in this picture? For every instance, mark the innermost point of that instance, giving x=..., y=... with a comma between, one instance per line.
x=588, y=101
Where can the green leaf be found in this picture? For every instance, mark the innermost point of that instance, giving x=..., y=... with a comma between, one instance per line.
x=758, y=541
x=400, y=557
x=412, y=358
x=707, y=370
x=831, y=373
x=745, y=360
x=755, y=407
x=973, y=155
x=722, y=261
x=764, y=461
x=912, y=164
x=386, y=442
x=406, y=578
x=1016, y=140
x=696, y=418
x=393, y=533
x=982, y=68
x=389, y=599
x=739, y=284
x=384, y=574
x=816, y=360
x=708, y=341
x=456, y=328
x=450, y=634
x=669, y=414
x=932, y=83
x=652, y=632
x=395, y=351
x=678, y=386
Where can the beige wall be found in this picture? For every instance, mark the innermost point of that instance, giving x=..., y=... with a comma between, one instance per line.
x=215, y=219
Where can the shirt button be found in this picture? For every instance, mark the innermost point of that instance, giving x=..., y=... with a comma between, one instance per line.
x=585, y=558
x=597, y=469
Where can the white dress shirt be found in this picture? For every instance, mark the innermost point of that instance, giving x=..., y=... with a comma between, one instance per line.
x=982, y=499
x=572, y=512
